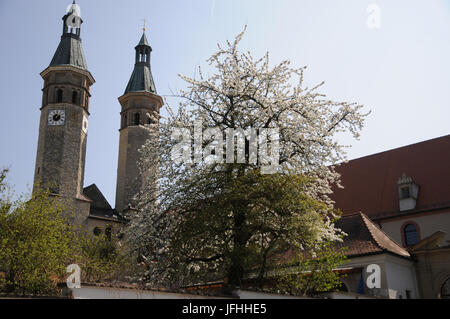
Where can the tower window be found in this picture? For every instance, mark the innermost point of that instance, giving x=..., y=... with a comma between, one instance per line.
x=411, y=235
x=45, y=98
x=137, y=118
x=97, y=231
x=125, y=121
x=54, y=189
x=74, y=97
x=59, y=96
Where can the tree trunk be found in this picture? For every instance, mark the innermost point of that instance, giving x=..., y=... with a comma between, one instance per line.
x=236, y=270
x=262, y=271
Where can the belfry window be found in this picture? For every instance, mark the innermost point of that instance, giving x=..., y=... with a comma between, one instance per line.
x=137, y=119
x=59, y=96
x=74, y=97
x=125, y=121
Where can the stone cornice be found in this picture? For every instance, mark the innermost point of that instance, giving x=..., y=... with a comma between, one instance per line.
x=69, y=68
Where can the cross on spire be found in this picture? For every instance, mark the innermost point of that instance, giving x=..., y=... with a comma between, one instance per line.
x=144, y=25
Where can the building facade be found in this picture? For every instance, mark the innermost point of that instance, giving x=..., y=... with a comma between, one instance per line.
x=405, y=194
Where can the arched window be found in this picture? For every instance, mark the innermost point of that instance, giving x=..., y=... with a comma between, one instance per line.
x=445, y=289
x=59, y=96
x=125, y=120
x=97, y=231
x=74, y=97
x=411, y=234
x=137, y=119
x=54, y=189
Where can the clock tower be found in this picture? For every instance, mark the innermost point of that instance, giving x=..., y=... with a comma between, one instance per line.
x=64, y=118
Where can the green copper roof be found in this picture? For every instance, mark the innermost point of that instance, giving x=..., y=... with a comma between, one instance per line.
x=69, y=52
x=141, y=80
x=143, y=40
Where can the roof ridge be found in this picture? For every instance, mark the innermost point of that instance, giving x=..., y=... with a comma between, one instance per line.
x=393, y=149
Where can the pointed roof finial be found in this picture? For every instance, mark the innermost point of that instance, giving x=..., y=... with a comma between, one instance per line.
x=143, y=40
x=144, y=25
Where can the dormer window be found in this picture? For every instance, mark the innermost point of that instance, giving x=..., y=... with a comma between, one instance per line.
x=404, y=192
x=407, y=193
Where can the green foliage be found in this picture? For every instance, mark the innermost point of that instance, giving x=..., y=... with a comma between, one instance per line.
x=232, y=223
x=101, y=260
x=312, y=271
x=37, y=243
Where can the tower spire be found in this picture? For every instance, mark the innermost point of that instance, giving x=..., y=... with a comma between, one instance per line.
x=70, y=51
x=141, y=79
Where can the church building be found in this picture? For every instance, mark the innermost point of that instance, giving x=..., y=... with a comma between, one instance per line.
x=395, y=204
x=63, y=130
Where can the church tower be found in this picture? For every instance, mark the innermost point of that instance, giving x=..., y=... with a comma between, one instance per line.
x=64, y=118
x=139, y=100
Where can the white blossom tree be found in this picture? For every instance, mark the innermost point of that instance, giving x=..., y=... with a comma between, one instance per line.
x=216, y=220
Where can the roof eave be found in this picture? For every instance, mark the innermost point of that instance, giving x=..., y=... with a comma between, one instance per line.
x=68, y=67
x=127, y=95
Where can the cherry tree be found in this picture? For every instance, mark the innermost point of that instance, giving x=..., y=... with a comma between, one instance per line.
x=204, y=220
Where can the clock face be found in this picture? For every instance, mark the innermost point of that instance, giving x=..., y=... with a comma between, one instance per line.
x=56, y=117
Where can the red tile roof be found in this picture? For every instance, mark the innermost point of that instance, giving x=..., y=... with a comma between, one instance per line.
x=364, y=237
x=370, y=183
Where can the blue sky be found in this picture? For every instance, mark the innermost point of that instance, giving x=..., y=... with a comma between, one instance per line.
x=401, y=72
